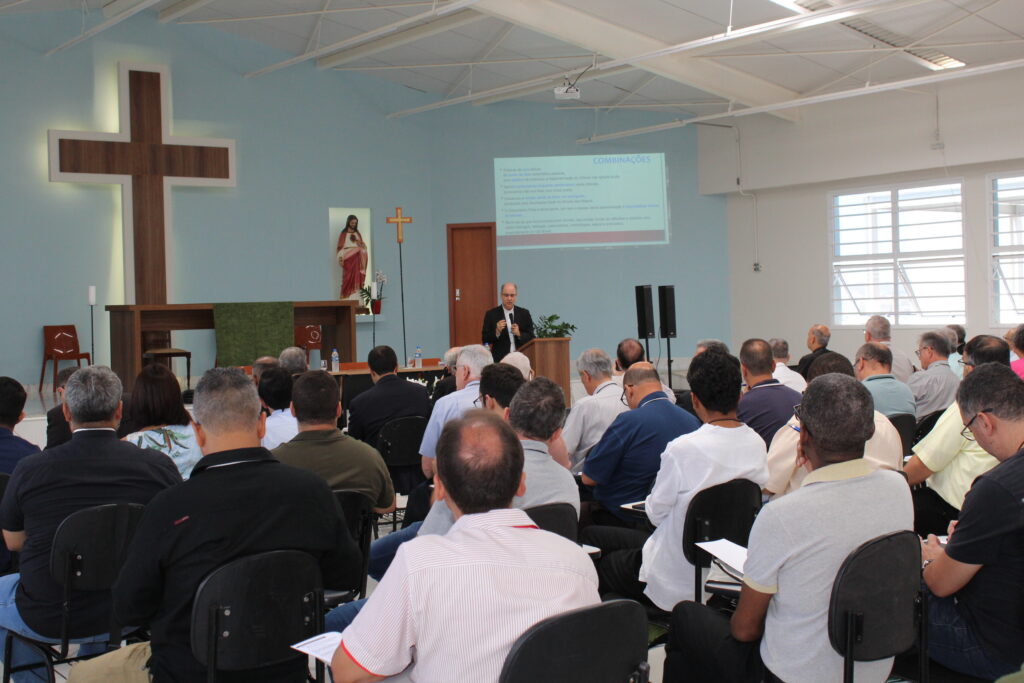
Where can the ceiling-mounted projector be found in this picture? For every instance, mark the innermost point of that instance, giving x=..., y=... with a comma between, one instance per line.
x=567, y=92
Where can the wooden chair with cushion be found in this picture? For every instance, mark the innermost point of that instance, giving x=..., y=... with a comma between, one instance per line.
x=60, y=342
x=157, y=346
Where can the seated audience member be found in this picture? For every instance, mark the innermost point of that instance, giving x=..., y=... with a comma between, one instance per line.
x=623, y=464
x=877, y=329
x=627, y=353
x=390, y=398
x=591, y=415
x=499, y=383
x=947, y=460
x=767, y=404
x=471, y=361
x=293, y=359
x=239, y=501
x=446, y=384
x=519, y=361
x=1015, y=338
x=683, y=398
x=156, y=404
x=976, y=606
x=934, y=388
x=797, y=545
x=12, y=447
x=780, y=354
x=884, y=450
x=321, y=448
x=275, y=390
x=873, y=365
x=476, y=589
x=57, y=429
x=261, y=364
x=651, y=568
x=817, y=341
x=94, y=468
x=957, y=338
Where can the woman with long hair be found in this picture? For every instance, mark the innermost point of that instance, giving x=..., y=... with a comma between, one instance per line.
x=352, y=256
x=156, y=403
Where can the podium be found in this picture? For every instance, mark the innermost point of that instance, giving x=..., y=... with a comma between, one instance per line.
x=549, y=357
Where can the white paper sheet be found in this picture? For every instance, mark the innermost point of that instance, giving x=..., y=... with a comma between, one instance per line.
x=322, y=646
x=728, y=552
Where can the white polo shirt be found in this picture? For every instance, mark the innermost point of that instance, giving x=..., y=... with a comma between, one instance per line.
x=588, y=420
x=453, y=605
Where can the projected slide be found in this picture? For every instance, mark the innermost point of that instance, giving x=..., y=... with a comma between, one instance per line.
x=581, y=201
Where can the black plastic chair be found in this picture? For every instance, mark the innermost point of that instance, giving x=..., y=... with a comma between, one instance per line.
x=359, y=517
x=605, y=643
x=399, y=445
x=926, y=424
x=9, y=566
x=558, y=518
x=723, y=511
x=877, y=609
x=89, y=548
x=249, y=612
x=906, y=425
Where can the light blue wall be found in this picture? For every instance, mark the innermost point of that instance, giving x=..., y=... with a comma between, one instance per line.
x=306, y=141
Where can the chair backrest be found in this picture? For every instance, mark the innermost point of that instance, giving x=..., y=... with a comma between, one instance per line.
x=558, y=518
x=925, y=424
x=399, y=441
x=906, y=425
x=60, y=340
x=308, y=337
x=247, y=613
x=358, y=510
x=875, y=592
x=723, y=511
x=605, y=643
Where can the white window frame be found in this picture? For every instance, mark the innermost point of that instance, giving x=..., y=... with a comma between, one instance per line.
x=894, y=189
x=990, y=249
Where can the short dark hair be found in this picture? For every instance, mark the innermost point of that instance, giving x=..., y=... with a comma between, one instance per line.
x=12, y=401
x=830, y=362
x=275, y=388
x=838, y=414
x=480, y=462
x=262, y=364
x=156, y=398
x=876, y=353
x=985, y=348
x=382, y=360
x=628, y=351
x=538, y=409
x=1017, y=337
x=64, y=375
x=640, y=374
x=937, y=342
x=501, y=381
x=994, y=388
x=315, y=396
x=756, y=356
x=961, y=336
x=780, y=348
x=714, y=378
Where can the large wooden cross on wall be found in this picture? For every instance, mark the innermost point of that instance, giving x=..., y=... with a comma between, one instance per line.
x=146, y=160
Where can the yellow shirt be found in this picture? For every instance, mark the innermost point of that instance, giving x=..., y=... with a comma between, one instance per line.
x=956, y=461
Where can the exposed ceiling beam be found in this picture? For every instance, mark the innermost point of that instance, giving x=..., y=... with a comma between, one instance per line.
x=865, y=50
x=306, y=13
x=438, y=65
x=549, y=83
x=936, y=77
x=180, y=9
x=115, y=7
x=103, y=26
x=314, y=35
x=440, y=11
x=629, y=93
x=399, y=38
x=11, y=3
x=649, y=105
x=484, y=54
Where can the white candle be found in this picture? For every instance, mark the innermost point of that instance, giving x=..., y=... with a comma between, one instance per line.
x=373, y=289
x=92, y=295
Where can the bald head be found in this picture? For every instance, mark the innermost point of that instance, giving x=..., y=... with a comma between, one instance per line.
x=479, y=462
x=639, y=382
x=628, y=351
x=818, y=337
x=509, y=294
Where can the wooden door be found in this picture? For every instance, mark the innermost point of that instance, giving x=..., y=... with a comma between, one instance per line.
x=472, y=279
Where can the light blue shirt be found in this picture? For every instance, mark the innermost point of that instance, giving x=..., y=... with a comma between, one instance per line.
x=892, y=397
x=447, y=408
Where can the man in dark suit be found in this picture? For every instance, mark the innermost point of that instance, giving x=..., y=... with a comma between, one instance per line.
x=507, y=327
x=57, y=429
x=389, y=398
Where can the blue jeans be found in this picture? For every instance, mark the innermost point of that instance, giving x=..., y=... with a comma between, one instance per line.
x=383, y=550
x=954, y=644
x=10, y=619
x=341, y=616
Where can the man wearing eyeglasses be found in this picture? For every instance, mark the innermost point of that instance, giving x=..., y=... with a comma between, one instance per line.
x=948, y=459
x=976, y=606
x=935, y=388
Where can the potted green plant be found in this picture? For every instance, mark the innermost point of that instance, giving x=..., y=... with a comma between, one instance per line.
x=549, y=326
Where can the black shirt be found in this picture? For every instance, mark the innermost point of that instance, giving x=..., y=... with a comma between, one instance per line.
x=94, y=468
x=805, y=361
x=991, y=533
x=236, y=503
x=390, y=398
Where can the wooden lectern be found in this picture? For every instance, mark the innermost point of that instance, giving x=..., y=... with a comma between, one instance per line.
x=549, y=357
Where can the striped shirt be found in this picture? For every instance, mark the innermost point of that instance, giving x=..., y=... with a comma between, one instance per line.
x=462, y=599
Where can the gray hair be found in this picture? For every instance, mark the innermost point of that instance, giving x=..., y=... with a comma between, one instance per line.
x=520, y=361
x=838, y=413
x=780, y=348
x=538, y=409
x=476, y=357
x=92, y=394
x=876, y=353
x=451, y=357
x=709, y=344
x=878, y=327
x=992, y=388
x=293, y=359
x=225, y=401
x=514, y=286
x=821, y=334
x=595, y=363
x=937, y=341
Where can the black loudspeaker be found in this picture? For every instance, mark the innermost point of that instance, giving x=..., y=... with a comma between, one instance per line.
x=667, y=310
x=644, y=312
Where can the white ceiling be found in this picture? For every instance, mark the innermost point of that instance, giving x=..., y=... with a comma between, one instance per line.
x=461, y=53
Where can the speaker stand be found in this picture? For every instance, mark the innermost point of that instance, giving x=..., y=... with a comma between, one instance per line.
x=647, y=348
x=668, y=352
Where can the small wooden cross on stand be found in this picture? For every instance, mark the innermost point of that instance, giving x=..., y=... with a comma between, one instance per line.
x=399, y=220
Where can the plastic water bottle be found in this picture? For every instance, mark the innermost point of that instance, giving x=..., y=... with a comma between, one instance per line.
x=418, y=358
x=335, y=361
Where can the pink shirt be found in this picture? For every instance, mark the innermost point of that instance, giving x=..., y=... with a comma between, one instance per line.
x=1018, y=367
